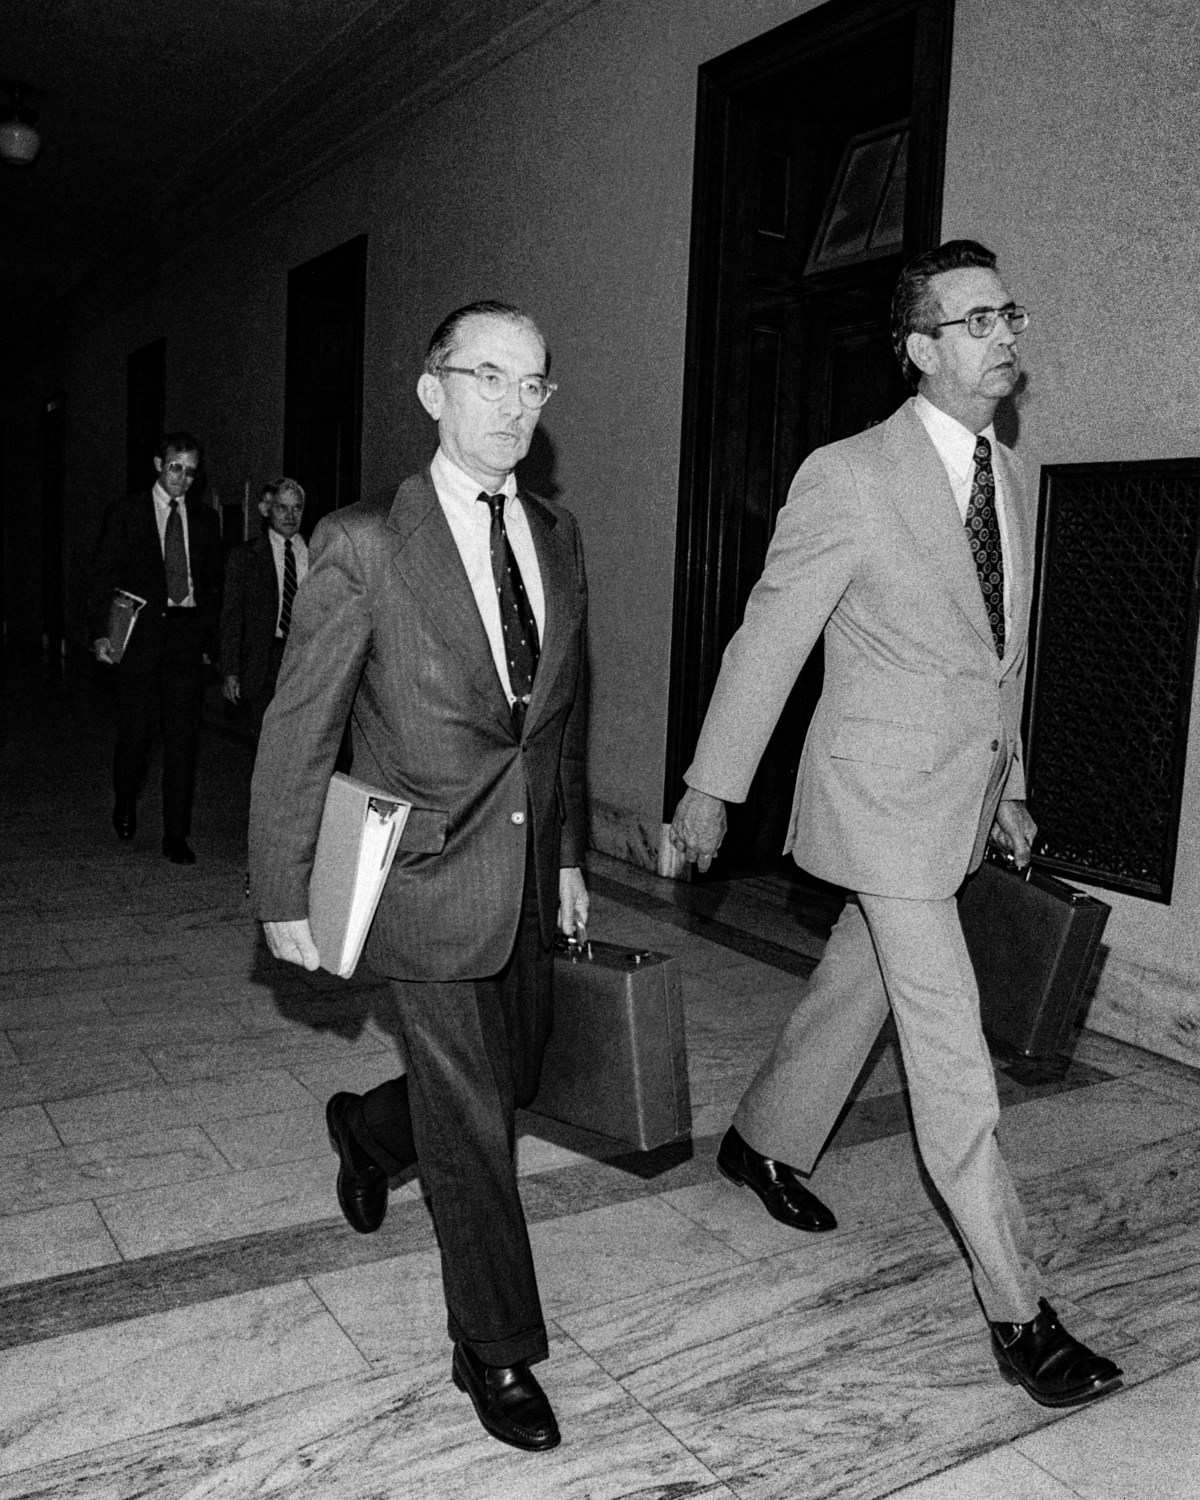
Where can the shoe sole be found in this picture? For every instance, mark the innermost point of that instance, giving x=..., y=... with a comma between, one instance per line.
x=501, y=1437
x=1093, y=1392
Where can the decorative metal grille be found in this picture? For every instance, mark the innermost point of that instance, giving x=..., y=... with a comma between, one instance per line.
x=1110, y=678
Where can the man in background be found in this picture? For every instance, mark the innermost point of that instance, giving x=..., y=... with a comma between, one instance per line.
x=166, y=551
x=261, y=579
x=449, y=625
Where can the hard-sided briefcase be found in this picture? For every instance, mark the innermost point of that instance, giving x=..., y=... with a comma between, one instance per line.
x=616, y=1061
x=1032, y=940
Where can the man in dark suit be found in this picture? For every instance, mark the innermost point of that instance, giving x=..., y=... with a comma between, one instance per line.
x=261, y=580
x=449, y=626
x=167, y=552
x=910, y=547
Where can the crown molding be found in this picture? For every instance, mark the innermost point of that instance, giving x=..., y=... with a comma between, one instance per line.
x=394, y=63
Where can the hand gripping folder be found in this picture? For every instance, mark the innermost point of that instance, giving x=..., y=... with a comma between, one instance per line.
x=360, y=832
x=616, y=1061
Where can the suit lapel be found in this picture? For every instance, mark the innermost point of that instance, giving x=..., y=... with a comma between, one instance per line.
x=428, y=560
x=923, y=496
x=266, y=561
x=1018, y=560
x=557, y=567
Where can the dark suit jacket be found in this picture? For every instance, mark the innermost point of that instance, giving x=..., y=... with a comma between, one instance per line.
x=387, y=631
x=129, y=556
x=249, y=613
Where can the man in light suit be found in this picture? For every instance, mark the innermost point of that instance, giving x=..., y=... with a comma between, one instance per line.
x=166, y=550
x=261, y=579
x=911, y=547
x=449, y=625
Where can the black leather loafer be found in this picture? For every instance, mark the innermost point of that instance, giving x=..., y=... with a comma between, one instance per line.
x=1056, y=1369
x=178, y=851
x=125, y=818
x=362, y=1187
x=508, y=1401
x=783, y=1195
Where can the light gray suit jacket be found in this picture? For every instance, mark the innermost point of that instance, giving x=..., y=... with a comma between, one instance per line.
x=917, y=733
x=386, y=631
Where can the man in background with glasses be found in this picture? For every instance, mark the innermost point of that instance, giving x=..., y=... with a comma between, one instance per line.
x=910, y=547
x=449, y=627
x=164, y=551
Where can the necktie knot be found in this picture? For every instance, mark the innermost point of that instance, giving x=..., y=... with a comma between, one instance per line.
x=983, y=450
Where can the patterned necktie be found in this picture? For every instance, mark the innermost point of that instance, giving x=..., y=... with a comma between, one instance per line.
x=175, y=557
x=289, y=587
x=516, y=617
x=983, y=533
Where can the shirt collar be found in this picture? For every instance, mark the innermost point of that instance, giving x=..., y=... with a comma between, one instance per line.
x=457, y=486
x=160, y=496
x=953, y=441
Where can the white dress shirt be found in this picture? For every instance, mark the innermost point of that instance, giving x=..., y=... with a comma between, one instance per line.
x=299, y=552
x=162, y=514
x=956, y=449
x=471, y=526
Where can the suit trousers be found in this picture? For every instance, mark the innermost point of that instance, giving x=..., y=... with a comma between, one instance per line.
x=165, y=694
x=910, y=955
x=474, y=1051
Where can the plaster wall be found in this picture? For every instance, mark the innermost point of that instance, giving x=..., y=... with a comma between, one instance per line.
x=1073, y=137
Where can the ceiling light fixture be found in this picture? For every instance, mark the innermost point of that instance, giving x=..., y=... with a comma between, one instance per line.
x=19, y=140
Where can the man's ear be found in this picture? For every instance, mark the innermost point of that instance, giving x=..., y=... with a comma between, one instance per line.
x=431, y=395
x=158, y=464
x=921, y=351
x=264, y=508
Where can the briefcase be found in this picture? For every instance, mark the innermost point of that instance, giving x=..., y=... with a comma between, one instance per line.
x=616, y=1061
x=1032, y=940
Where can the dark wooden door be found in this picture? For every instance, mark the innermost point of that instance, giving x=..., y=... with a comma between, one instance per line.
x=53, y=488
x=322, y=429
x=788, y=347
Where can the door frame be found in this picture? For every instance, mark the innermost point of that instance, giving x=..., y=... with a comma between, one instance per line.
x=722, y=84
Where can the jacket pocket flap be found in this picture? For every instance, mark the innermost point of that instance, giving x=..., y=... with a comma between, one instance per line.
x=424, y=831
x=878, y=742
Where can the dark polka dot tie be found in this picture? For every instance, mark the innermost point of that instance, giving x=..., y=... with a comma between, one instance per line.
x=983, y=533
x=521, y=646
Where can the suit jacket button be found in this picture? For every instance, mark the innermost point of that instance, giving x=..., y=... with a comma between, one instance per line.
x=518, y=818
x=995, y=746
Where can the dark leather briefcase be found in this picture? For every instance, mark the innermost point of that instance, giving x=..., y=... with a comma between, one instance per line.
x=616, y=1061
x=1032, y=940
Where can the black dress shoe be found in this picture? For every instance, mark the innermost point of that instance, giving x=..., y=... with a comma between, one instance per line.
x=783, y=1195
x=508, y=1401
x=125, y=818
x=362, y=1187
x=1056, y=1369
x=178, y=851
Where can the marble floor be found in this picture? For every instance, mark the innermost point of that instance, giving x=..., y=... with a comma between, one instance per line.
x=183, y=1312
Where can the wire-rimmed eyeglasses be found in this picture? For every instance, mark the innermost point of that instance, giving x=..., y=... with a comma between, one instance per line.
x=980, y=321
x=494, y=384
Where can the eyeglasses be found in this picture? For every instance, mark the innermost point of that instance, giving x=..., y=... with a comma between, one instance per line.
x=185, y=469
x=494, y=385
x=981, y=321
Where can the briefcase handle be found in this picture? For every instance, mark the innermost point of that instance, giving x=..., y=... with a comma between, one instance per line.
x=1005, y=861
